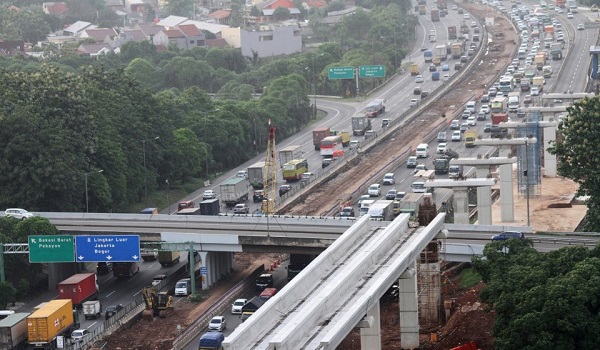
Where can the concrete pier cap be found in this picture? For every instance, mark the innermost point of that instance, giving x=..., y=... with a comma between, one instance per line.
x=506, y=142
x=473, y=182
x=483, y=161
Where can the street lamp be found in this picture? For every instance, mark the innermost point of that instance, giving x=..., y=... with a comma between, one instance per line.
x=145, y=182
x=526, y=174
x=314, y=87
x=168, y=201
x=87, y=205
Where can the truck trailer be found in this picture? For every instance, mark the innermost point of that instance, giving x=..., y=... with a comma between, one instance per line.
x=318, y=135
x=53, y=319
x=125, y=269
x=255, y=175
x=234, y=191
x=79, y=288
x=360, y=124
x=168, y=257
x=375, y=108
x=13, y=331
x=210, y=207
x=297, y=263
x=382, y=210
x=288, y=153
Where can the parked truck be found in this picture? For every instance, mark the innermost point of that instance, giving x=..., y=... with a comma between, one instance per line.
x=470, y=137
x=211, y=341
x=255, y=175
x=297, y=263
x=452, y=32
x=441, y=52
x=79, y=288
x=210, y=207
x=435, y=15
x=53, y=319
x=318, y=135
x=288, y=153
x=125, y=269
x=360, y=124
x=168, y=257
x=13, y=331
x=234, y=191
x=419, y=180
x=375, y=108
x=382, y=210
x=92, y=309
x=410, y=204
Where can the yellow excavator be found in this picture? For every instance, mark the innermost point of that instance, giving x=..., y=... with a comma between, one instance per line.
x=157, y=303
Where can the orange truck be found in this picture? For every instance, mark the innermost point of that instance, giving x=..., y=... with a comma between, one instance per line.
x=53, y=319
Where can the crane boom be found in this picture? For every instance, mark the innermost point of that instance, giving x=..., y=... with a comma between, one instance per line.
x=270, y=174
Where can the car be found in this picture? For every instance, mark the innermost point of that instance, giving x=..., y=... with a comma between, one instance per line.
x=158, y=279
x=515, y=62
x=326, y=162
x=424, y=48
x=471, y=121
x=441, y=136
x=455, y=125
x=417, y=90
x=485, y=98
x=112, y=310
x=411, y=162
x=106, y=267
x=463, y=59
x=209, y=194
x=347, y=212
x=258, y=196
x=432, y=68
x=446, y=77
x=487, y=127
x=461, y=11
x=445, y=68
x=374, y=190
x=473, y=24
x=241, y=209
x=527, y=99
x=570, y=15
x=236, y=307
x=464, y=127
x=413, y=102
x=369, y=134
x=476, y=30
x=457, y=66
x=508, y=235
x=466, y=16
x=385, y=122
x=559, y=10
x=454, y=7
x=217, y=323
x=354, y=144
x=580, y=26
x=492, y=92
x=481, y=116
x=78, y=335
x=389, y=179
x=391, y=194
x=364, y=197
x=17, y=213
x=242, y=173
x=419, y=79
x=283, y=189
x=307, y=177
x=465, y=114
x=425, y=93
x=535, y=91
x=456, y=136
x=485, y=109
x=521, y=113
x=441, y=148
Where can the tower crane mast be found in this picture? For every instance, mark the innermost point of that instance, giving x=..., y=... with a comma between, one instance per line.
x=270, y=173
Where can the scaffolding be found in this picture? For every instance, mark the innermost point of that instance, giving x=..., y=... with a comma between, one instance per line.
x=529, y=167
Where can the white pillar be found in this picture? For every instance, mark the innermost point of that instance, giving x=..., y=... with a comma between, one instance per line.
x=507, y=209
x=484, y=197
x=409, y=308
x=461, y=205
x=370, y=337
x=205, y=263
x=549, y=159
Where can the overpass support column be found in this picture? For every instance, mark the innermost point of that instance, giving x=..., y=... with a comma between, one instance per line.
x=409, y=308
x=507, y=209
x=461, y=205
x=484, y=198
x=370, y=337
x=205, y=263
x=549, y=159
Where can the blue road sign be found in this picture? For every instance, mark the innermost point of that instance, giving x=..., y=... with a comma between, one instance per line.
x=115, y=248
x=204, y=270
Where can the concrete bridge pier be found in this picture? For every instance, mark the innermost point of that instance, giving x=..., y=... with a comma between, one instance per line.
x=461, y=197
x=409, y=308
x=370, y=329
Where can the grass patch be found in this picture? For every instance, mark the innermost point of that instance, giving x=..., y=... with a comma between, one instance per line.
x=469, y=278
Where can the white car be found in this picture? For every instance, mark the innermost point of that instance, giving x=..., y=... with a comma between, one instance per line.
x=389, y=179
x=456, y=136
x=79, y=334
x=17, y=213
x=535, y=91
x=570, y=15
x=209, y=194
x=419, y=79
x=217, y=324
x=441, y=148
x=471, y=121
x=484, y=109
x=414, y=102
x=580, y=26
x=446, y=77
x=466, y=16
x=242, y=173
x=236, y=307
x=374, y=190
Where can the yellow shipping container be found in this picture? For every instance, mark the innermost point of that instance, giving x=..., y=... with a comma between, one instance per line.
x=52, y=319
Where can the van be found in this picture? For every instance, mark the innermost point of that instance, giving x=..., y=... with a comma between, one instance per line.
x=185, y=204
x=471, y=106
x=183, y=287
x=422, y=150
x=267, y=294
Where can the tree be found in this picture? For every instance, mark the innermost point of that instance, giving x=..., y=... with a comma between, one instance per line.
x=22, y=289
x=7, y=294
x=180, y=8
x=254, y=11
x=281, y=13
x=580, y=133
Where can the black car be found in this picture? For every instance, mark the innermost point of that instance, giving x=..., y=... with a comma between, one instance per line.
x=508, y=235
x=485, y=98
x=258, y=196
x=326, y=162
x=283, y=189
x=112, y=310
x=432, y=68
x=417, y=91
x=391, y=194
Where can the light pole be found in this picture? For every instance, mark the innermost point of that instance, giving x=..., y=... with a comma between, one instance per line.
x=396, y=53
x=314, y=89
x=526, y=173
x=145, y=182
x=255, y=136
x=85, y=175
x=168, y=201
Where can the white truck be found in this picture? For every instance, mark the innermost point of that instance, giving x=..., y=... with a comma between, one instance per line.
x=92, y=309
x=234, y=191
x=382, y=210
x=513, y=101
x=410, y=204
x=365, y=205
x=255, y=175
x=572, y=4
x=288, y=153
x=420, y=178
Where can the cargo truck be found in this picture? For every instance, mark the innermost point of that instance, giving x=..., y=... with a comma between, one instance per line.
x=530, y=72
x=297, y=263
x=92, y=309
x=255, y=175
x=210, y=207
x=560, y=3
x=168, y=257
x=211, y=341
x=428, y=56
x=53, y=319
x=318, y=135
x=435, y=15
x=345, y=137
x=234, y=191
x=419, y=180
x=441, y=165
x=79, y=288
x=189, y=211
x=422, y=9
x=375, y=108
x=539, y=60
x=572, y=6
x=499, y=105
x=125, y=269
x=382, y=210
x=470, y=137
x=360, y=124
x=442, y=4
x=539, y=82
x=414, y=69
x=288, y=153
x=451, y=32
x=547, y=71
x=435, y=76
x=455, y=171
x=13, y=331
x=441, y=52
x=410, y=204
x=457, y=50
x=556, y=51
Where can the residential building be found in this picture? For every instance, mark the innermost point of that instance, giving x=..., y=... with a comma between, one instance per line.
x=271, y=41
x=183, y=36
x=55, y=8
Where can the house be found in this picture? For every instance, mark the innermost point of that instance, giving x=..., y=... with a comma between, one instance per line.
x=268, y=8
x=171, y=21
x=221, y=16
x=93, y=49
x=11, y=47
x=271, y=41
x=127, y=35
x=100, y=35
x=220, y=43
x=149, y=29
x=55, y=8
x=76, y=28
x=184, y=37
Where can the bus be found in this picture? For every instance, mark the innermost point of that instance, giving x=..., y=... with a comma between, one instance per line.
x=293, y=170
x=507, y=85
x=331, y=144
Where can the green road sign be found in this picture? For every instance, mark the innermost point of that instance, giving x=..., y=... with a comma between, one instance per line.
x=49, y=249
x=341, y=73
x=371, y=72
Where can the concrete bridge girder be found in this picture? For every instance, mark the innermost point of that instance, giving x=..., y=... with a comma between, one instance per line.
x=461, y=198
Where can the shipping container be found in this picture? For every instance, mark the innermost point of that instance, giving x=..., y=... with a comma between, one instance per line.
x=125, y=269
x=53, y=319
x=79, y=288
x=210, y=207
x=13, y=331
x=288, y=153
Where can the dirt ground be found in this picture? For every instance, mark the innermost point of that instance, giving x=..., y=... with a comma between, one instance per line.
x=469, y=322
